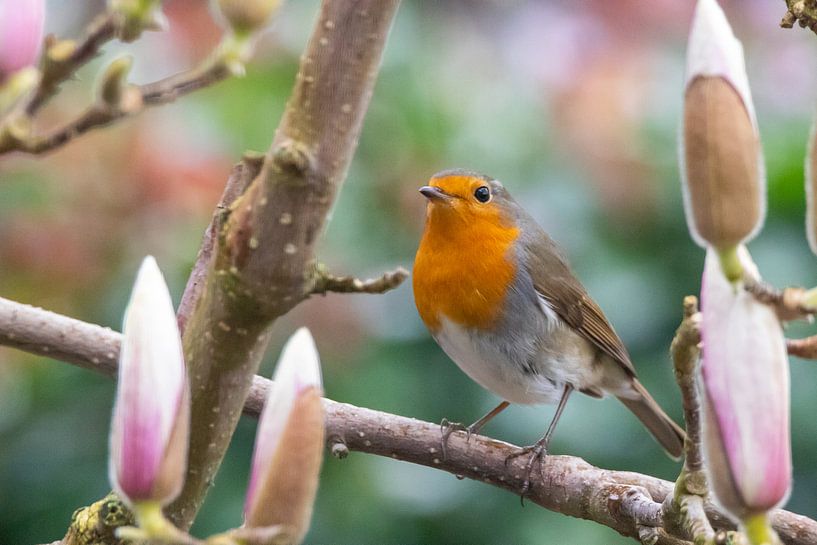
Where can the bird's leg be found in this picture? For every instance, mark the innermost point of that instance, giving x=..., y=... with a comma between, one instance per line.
x=447, y=428
x=538, y=450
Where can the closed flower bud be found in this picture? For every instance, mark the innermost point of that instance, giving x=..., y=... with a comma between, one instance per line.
x=811, y=189
x=721, y=159
x=151, y=414
x=289, y=444
x=248, y=15
x=21, y=34
x=745, y=381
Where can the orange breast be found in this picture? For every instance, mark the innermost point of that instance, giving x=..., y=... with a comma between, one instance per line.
x=463, y=270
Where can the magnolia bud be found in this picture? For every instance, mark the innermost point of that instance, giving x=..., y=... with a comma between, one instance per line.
x=745, y=382
x=721, y=160
x=150, y=425
x=248, y=15
x=289, y=444
x=21, y=34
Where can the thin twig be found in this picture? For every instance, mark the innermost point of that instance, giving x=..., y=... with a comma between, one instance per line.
x=685, y=349
x=325, y=282
x=684, y=509
x=101, y=114
x=788, y=303
x=625, y=501
x=57, y=70
x=803, y=348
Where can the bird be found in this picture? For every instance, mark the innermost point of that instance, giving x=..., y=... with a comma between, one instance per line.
x=496, y=293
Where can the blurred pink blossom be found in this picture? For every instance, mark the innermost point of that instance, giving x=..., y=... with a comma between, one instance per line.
x=21, y=34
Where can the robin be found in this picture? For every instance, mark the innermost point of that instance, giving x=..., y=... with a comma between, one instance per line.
x=496, y=294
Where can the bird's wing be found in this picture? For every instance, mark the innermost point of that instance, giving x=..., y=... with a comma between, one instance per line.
x=557, y=285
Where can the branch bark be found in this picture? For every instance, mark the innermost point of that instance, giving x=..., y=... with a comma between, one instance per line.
x=630, y=503
x=325, y=282
x=262, y=259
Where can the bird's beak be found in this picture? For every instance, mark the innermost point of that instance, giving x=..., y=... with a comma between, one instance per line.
x=434, y=194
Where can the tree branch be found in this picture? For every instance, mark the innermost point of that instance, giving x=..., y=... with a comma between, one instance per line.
x=62, y=61
x=325, y=282
x=788, y=303
x=630, y=503
x=264, y=242
x=803, y=348
x=685, y=508
x=102, y=114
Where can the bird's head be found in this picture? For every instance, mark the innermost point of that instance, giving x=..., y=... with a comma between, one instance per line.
x=461, y=195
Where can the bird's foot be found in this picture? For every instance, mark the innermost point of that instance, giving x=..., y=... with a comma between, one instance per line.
x=447, y=428
x=538, y=451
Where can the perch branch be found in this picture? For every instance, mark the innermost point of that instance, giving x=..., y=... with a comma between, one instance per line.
x=630, y=503
x=325, y=282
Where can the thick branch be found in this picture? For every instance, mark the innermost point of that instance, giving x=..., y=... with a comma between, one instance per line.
x=265, y=240
x=628, y=502
x=243, y=173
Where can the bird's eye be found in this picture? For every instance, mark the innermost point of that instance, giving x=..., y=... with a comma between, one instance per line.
x=482, y=193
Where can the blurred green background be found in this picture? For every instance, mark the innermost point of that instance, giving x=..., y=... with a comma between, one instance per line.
x=574, y=105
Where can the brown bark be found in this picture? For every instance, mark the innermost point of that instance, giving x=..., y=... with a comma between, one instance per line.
x=630, y=503
x=263, y=259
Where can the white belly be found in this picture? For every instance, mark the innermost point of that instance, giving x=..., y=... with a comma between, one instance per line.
x=568, y=362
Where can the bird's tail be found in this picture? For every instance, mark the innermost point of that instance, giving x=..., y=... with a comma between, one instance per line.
x=662, y=427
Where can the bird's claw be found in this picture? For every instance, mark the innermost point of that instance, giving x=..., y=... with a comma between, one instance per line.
x=447, y=428
x=538, y=452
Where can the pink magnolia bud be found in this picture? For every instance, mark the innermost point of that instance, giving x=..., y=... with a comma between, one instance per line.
x=289, y=443
x=721, y=160
x=152, y=410
x=745, y=379
x=21, y=34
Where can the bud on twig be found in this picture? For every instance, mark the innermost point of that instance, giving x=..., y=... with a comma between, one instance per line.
x=21, y=34
x=246, y=16
x=289, y=444
x=721, y=160
x=745, y=382
x=150, y=422
x=138, y=16
x=113, y=88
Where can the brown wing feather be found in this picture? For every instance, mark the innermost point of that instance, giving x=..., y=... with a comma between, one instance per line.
x=554, y=281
